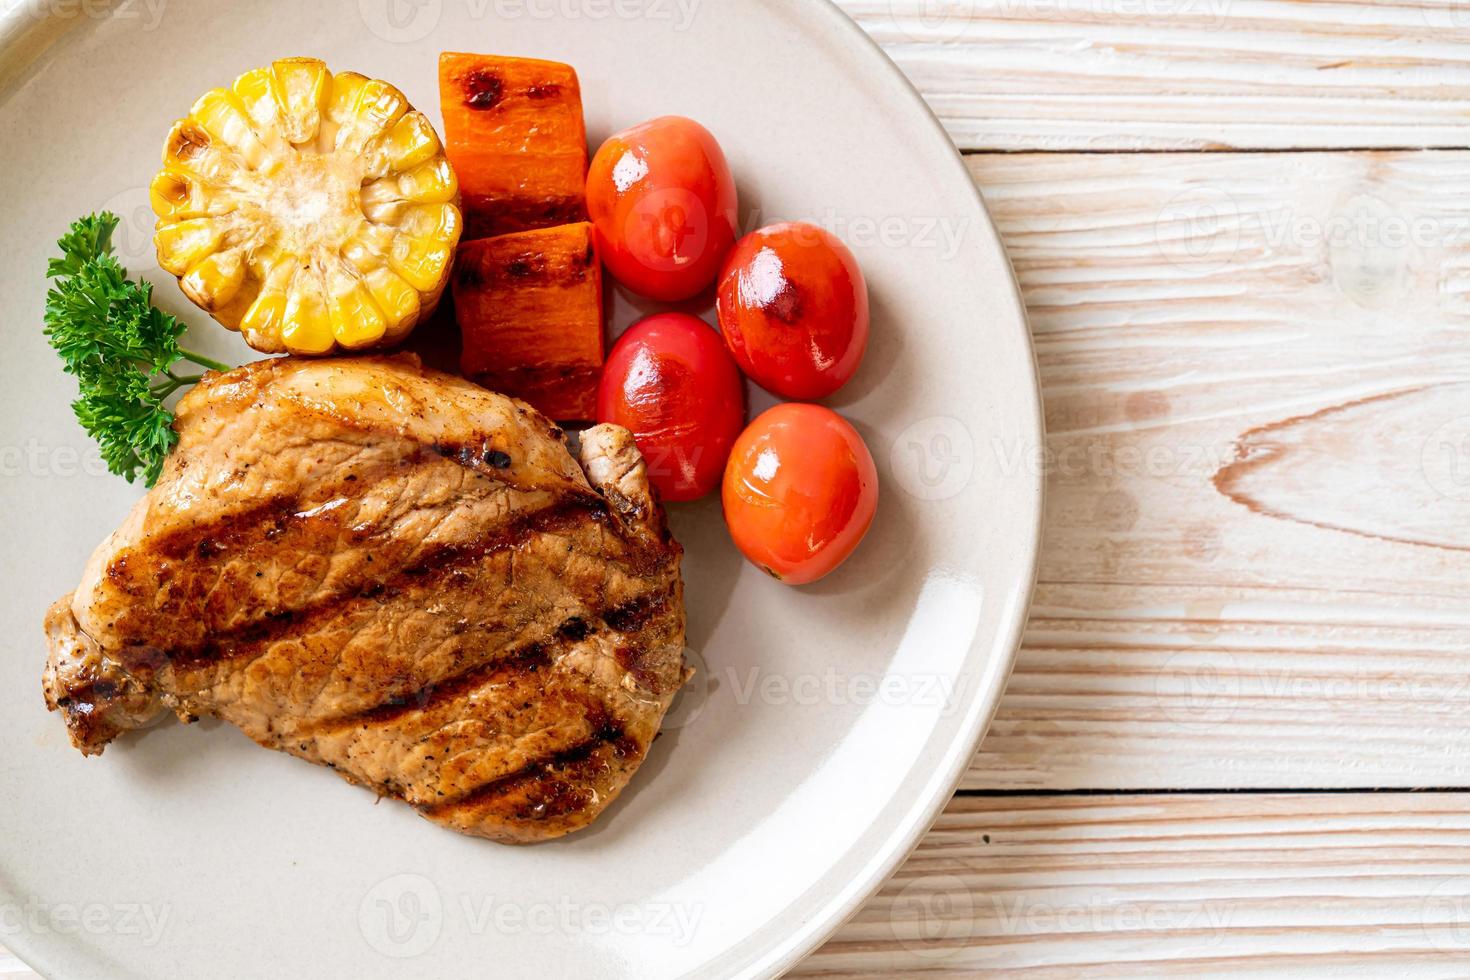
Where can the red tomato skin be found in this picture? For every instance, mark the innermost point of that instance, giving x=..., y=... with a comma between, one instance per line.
x=793, y=307
x=663, y=207
x=671, y=382
x=800, y=492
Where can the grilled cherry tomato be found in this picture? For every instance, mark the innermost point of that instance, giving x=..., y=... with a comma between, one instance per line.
x=671, y=382
x=793, y=307
x=662, y=201
x=800, y=491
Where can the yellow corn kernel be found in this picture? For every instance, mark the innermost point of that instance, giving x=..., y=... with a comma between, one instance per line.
x=341, y=98
x=397, y=299
x=256, y=92
x=301, y=88
x=215, y=279
x=381, y=204
x=429, y=183
x=224, y=118
x=437, y=221
x=262, y=321
x=175, y=194
x=182, y=245
x=379, y=105
x=422, y=261
x=306, y=327
x=369, y=247
x=410, y=142
x=346, y=87
x=356, y=319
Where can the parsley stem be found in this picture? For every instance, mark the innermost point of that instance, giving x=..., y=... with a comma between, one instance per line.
x=165, y=388
x=202, y=361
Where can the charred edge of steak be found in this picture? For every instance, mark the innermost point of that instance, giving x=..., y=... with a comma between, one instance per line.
x=90, y=709
x=443, y=561
x=98, y=699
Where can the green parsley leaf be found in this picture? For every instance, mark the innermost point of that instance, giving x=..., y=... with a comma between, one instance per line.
x=120, y=348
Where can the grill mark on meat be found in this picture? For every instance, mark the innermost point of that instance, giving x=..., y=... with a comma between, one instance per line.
x=574, y=629
x=530, y=659
x=555, y=785
x=443, y=561
x=210, y=540
x=633, y=615
x=267, y=520
x=562, y=779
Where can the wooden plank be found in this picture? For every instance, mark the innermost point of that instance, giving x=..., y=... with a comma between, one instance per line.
x=1370, y=885
x=1184, y=74
x=1256, y=562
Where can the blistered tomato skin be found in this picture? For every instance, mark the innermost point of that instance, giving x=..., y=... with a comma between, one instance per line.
x=662, y=202
x=670, y=381
x=793, y=307
x=800, y=492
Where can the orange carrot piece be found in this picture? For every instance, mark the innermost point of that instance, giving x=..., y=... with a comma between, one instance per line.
x=513, y=130
x=529, y=306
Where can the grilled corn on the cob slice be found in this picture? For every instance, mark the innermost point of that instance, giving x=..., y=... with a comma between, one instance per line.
x=307, y=210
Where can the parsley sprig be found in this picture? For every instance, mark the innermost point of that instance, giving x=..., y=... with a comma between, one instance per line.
x=121, y=349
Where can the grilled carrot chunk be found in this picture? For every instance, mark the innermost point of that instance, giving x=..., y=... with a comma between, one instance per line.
x=513, y=131
x=529, y=306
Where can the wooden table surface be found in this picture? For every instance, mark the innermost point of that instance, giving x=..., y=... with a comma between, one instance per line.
x=1238, y=734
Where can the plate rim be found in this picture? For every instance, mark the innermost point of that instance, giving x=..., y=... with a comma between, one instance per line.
x=24, y=34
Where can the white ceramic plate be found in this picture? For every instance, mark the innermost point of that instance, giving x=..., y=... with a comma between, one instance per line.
x=827, y=725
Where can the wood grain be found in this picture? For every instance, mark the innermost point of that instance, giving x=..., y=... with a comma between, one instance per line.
x=1256, y=560
x=1302, y=885
x=1184, y=74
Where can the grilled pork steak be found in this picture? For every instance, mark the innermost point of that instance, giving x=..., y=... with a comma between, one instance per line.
x=396, y=574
